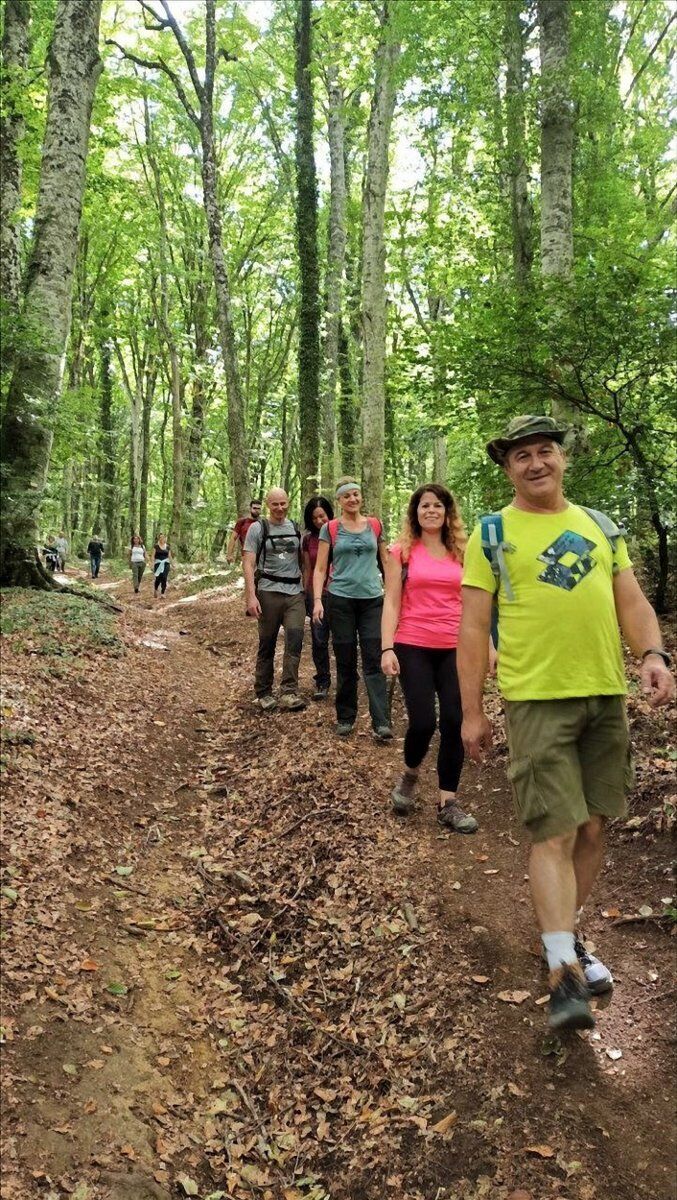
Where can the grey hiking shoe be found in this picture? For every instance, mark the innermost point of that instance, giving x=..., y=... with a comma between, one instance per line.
x=598, y=977
x=343, y=729
x=450, y=816
x=403, y=795
x=320, y=693
x=267, y=702
x=292, y=702
x=569, y=999
x=383, y=733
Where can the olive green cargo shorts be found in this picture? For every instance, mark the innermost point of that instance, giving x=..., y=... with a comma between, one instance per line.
x=569, y=760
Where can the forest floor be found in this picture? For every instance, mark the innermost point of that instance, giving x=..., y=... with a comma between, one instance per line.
x=231, y=972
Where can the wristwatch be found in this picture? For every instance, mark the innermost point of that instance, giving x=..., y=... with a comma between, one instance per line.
x=661, y=654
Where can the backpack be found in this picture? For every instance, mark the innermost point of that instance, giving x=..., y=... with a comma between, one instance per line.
x=495, y=547
x=260, y=572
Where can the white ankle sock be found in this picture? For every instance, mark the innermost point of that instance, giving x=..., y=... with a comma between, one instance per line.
x=559, y=948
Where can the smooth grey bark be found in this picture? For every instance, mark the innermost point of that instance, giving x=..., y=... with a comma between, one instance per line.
x=373, y=262
x=521, y=208
x=14, y=62
x=200, y=111
x=26, y=436
x=557, y=140
x=306, y=243
x=336, y=261
x=163, y=315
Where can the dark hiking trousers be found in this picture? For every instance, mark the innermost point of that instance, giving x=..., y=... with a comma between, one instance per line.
x=279, y=610
x=320, y=636
x=95, y=563
x=137, y=574
x=350, y=620
x=425, y=674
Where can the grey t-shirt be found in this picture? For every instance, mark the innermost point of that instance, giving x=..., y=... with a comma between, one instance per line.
x=281, y=556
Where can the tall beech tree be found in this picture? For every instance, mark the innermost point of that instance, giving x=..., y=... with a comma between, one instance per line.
x=74, y=68
x=373, y=260
x=306, y=236
x=12, y=122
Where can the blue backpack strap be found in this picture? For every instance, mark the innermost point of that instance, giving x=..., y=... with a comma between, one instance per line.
x=610, y=529
x=494, y=547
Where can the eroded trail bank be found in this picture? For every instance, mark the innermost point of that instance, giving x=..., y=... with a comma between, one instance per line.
x=230, y=972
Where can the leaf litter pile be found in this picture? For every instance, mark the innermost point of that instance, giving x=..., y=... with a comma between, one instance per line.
x=230, y=973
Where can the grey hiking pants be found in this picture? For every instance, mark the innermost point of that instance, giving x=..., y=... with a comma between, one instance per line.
x=279, y=611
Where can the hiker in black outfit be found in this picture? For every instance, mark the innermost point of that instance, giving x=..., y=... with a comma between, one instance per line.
x=95, y=550
x=162, y=557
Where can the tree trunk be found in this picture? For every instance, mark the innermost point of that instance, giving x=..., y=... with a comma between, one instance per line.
x=149, y=391
x=520, y=203
x=557, y=139
x=35, y=388
x=14, y=62
x=306, y=240
x=108, y=476
x=335, y=271
x=661, y=528
x=373, y=264
x=237, y=436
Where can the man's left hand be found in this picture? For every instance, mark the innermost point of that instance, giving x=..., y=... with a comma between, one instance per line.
x=658, y=683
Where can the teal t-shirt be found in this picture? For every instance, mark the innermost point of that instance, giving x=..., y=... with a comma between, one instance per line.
x=354, y=568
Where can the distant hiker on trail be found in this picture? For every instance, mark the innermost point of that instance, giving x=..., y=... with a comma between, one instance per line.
x=62, y=547
x=564, y=583
x=162, y=557
x=51, y=554
x=137, y=560
x=419, y=632
x=241, y=528
x=317, y=512
x=354, y=602
x=95, y=550
x=273, y=579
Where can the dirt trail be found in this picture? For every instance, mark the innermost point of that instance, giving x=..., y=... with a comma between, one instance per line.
x=231, y=972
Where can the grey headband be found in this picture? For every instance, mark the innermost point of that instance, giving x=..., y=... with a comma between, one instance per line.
x=347, y=487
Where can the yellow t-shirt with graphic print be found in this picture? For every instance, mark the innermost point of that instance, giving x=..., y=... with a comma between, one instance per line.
x=559, y=637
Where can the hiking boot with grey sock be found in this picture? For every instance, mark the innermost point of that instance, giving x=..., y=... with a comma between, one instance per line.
x=569, y=999
x=291, y=702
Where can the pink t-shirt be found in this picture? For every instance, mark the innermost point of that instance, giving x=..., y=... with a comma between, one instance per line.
x=431, y=600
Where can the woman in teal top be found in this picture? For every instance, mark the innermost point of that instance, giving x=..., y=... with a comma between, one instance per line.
x=354, y=602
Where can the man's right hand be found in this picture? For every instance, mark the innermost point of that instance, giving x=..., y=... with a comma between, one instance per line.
x=253, y=607
x=477, y=736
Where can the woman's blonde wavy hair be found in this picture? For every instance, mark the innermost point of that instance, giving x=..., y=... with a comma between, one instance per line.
x=453, y=533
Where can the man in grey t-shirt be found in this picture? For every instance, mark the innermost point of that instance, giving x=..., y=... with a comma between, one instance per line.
x=271, y=562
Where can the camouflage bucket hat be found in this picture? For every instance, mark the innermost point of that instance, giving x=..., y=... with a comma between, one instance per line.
x=521, y=428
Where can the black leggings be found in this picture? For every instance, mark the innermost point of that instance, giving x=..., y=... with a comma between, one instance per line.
x=161, y=580
x=425, y=674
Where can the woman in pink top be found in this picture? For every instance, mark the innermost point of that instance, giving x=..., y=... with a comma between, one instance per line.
x=419, y=632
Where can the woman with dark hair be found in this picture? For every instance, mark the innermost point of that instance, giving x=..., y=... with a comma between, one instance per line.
x=162, y=557
x=419, y=632
x=317, y=512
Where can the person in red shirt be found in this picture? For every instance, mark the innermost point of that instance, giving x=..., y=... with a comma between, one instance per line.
x=239, y=531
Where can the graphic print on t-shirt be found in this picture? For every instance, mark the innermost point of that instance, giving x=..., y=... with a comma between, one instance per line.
x=569, y=559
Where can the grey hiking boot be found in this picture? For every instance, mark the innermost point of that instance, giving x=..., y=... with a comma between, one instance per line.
x=403, y=795
x=598, y=977
x=569, y=999
x=343, y=729
x=450, y=816
x=267, y=703
x=291, y=702
x=383, y=733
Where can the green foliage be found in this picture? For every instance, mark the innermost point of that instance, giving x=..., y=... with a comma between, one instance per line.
x=57, y=625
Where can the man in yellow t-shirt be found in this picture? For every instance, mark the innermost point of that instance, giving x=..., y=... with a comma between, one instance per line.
x=563, y=582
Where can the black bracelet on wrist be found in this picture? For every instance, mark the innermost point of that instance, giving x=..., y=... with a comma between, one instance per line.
x=386, y=650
